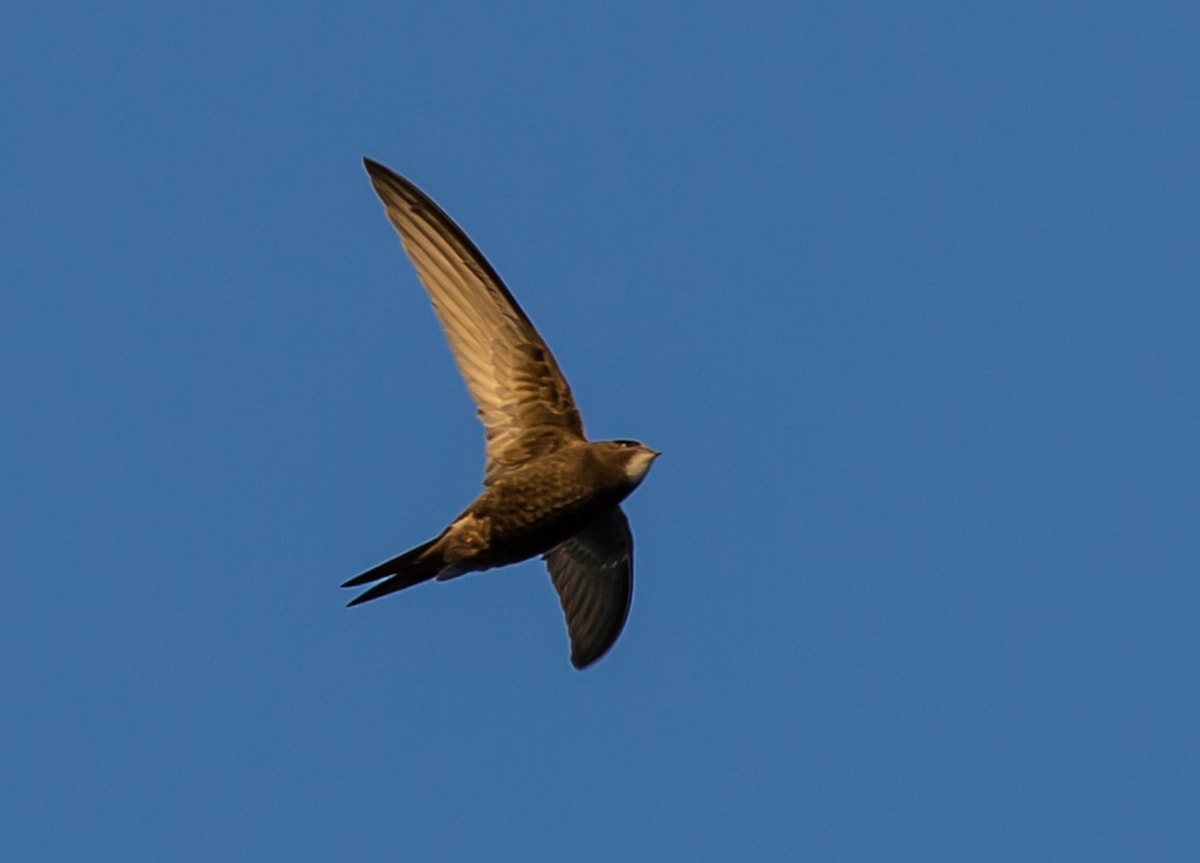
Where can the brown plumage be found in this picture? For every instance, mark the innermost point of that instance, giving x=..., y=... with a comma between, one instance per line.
x=547, y=489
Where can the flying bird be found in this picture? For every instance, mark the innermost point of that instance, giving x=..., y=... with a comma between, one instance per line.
x=547, y=489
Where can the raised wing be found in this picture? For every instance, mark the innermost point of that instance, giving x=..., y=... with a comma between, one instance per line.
x=593, y=574
x=523, y=399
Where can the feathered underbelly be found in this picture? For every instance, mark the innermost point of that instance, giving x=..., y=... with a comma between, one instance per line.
x=533, y=511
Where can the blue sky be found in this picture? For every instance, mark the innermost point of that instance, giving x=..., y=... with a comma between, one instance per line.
x=908, y=296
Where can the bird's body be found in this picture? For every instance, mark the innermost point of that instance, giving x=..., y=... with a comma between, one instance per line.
x=533, y=508
x=547, y=489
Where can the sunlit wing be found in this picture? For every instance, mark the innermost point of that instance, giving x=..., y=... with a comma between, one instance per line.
x=523, y=399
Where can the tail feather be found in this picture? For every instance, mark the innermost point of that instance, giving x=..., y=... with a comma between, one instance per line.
x=413, y=567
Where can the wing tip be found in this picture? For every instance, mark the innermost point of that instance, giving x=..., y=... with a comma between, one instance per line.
x=591, y=651
x=582, y=662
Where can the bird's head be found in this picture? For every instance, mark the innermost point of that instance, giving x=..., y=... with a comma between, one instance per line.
x=634, y=457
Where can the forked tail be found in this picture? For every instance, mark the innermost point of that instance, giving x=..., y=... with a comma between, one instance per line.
x=413, y=567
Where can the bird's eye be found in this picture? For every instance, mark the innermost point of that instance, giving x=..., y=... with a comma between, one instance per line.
x=627, y=443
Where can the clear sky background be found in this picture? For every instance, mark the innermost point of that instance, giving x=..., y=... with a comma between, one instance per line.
x=908, y=294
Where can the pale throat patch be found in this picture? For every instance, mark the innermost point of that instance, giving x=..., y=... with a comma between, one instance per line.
x=637, y=466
